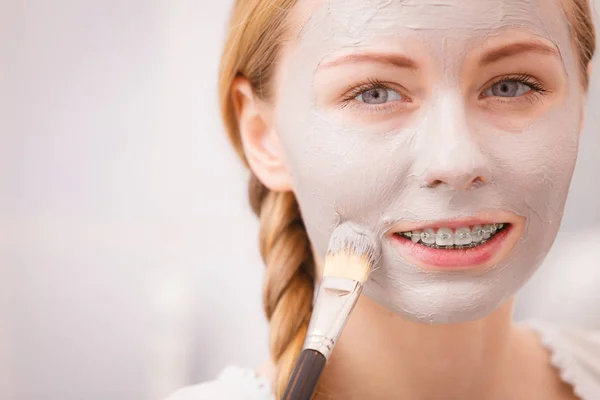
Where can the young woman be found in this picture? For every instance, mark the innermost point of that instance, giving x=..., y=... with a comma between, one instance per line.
x=449, y=130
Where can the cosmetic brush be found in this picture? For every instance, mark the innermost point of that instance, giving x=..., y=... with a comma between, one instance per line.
x=350, y=258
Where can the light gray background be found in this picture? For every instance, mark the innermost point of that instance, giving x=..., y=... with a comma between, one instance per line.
x=129, y=262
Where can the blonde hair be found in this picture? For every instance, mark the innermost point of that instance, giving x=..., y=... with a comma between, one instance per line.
x=252, y=48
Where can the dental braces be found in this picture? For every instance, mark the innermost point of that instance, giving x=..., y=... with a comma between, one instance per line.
x=455, y=246
x=477, y=234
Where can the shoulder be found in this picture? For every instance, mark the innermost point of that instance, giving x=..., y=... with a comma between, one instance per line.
x=233, y=383
x=576, y=354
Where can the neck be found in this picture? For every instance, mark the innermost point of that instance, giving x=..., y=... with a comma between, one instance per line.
x=384, y=355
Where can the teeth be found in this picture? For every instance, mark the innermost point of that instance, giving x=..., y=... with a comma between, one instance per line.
x=487, y=231
x=444, y=237
x=416, y=236
x=428, y=236
x=462, y=237
x=477, y=234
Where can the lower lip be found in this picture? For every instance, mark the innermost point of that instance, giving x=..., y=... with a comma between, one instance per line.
x=469, y=258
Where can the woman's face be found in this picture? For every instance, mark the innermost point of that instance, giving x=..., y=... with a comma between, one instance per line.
x=433, y=119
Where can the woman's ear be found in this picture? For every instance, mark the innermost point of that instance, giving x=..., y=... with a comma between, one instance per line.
x=259, y=138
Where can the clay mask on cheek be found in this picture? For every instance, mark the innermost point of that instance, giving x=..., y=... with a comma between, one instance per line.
x=343, y=171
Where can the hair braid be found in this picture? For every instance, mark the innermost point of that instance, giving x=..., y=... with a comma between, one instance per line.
x=289, y=282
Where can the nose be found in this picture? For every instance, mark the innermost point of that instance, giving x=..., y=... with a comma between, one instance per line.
x=454, y=157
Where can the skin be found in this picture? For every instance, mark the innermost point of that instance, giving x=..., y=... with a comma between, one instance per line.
x=476, y=352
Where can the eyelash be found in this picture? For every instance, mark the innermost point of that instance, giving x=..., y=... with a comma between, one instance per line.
x=369, y=84
x=353, y=91
x=535, y=86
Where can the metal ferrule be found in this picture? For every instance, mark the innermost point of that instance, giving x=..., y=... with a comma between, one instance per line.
x=335, y=300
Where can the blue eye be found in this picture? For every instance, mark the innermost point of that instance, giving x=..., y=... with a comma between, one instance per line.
x=508, y=88
x=378, y=95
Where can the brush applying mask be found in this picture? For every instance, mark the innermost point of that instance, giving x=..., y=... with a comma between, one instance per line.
x=350, y=258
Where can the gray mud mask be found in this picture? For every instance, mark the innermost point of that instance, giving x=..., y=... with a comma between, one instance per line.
x=345, y=172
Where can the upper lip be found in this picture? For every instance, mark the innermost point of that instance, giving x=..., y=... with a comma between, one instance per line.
x=406, y=226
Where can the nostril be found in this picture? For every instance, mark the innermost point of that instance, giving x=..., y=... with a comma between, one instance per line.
x=434, y=184
x=458, y=182
x=477, y=182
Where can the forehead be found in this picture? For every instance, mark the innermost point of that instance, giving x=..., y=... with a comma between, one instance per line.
x=356, y=22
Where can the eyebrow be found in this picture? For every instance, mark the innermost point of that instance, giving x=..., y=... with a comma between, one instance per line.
x=515, y=49
x=396, y=60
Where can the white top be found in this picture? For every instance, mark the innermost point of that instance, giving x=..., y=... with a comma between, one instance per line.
x=575, y=353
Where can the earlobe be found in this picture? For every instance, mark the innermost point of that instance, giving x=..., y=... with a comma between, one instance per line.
x=259, y=138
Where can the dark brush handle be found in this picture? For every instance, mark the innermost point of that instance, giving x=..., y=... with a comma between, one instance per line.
x=305, y=377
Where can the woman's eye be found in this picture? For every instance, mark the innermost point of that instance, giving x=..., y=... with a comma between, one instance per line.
x=378, y=96
x=507, y=89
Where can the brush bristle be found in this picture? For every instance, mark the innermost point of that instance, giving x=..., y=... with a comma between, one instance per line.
x=352, y=253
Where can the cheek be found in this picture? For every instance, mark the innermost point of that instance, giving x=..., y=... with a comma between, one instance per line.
x=341, y=173
x=533, y=168
x=350, y=170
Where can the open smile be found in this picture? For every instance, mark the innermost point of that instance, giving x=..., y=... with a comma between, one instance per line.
x=458, y=244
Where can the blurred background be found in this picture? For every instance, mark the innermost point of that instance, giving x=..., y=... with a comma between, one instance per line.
x=129, y=263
